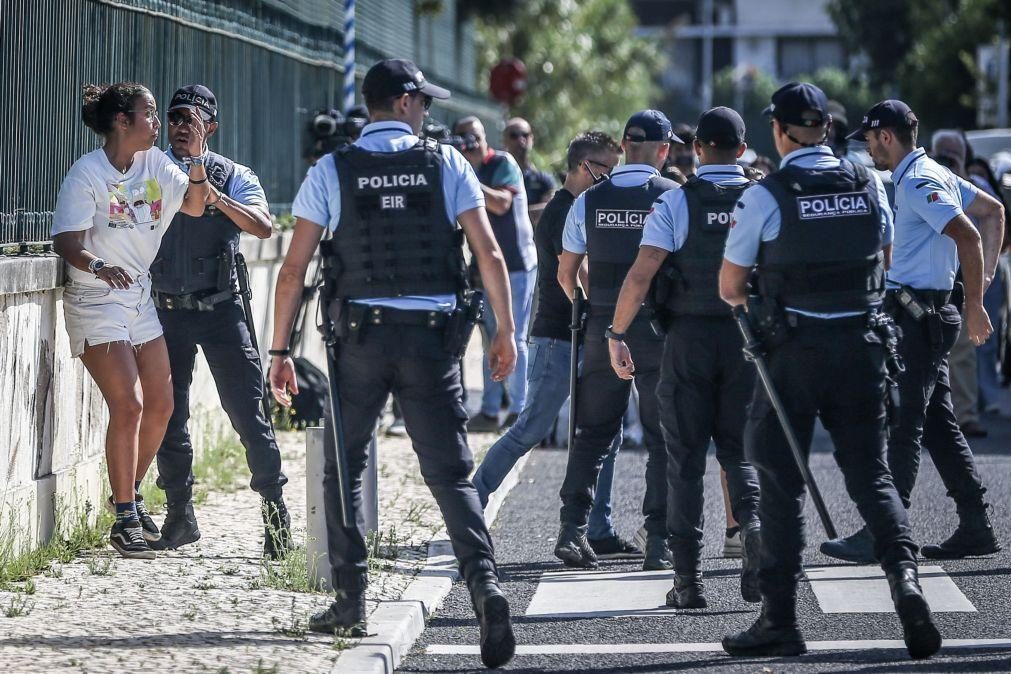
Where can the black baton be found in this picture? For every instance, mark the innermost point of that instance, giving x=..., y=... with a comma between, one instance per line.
x=337, y=425
x=576, y=326
x=753, y=353
x=242, y=273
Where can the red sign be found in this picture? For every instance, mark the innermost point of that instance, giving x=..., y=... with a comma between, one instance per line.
x=508, y=81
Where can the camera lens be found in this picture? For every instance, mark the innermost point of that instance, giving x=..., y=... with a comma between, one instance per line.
x=324, y=125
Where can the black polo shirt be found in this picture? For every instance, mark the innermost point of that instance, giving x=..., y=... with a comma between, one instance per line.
x=554, y=310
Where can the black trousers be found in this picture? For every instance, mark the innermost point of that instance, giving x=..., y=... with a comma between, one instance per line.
x=925, y=415
x=411, y=363
x=223, y=337
x=836, y=372
x=705, y=387
x=601, y=401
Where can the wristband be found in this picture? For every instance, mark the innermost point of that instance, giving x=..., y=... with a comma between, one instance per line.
x=193, y=161
x=279, y=352
x=616, y=336
x=197, y=182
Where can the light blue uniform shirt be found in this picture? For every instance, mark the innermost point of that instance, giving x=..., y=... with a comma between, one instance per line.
x=319, y=198
x=756, y=217
x=927, y=197
x=243, y=186
x=574, y=234
x=667, y=223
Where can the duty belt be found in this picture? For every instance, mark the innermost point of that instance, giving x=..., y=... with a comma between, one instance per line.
x=198, y=301
x=794, y=320
x=379, y=315
x=934, y=298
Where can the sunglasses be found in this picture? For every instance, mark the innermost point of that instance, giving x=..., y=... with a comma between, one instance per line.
x=516, y=135
x=427, y=102
x=180, y=118
x=597, y=177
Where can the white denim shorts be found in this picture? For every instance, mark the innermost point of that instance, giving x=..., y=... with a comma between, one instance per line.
x=103, y=315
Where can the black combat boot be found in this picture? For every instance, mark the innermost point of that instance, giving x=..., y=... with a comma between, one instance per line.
x=276, y=528
x=658, y=556
x=498, y=645
x=346, y=617
x=573, y=548
x=918, y=629
x=974, y=536
x=775, y=633
x=751, y=546
x=179, y=529
x=688, y=591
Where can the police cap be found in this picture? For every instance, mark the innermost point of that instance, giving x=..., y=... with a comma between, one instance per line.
x=799, y=104
x=649, y=125
x=395, y=77
x=891, y=113
x=721, y=128
x=195, y=97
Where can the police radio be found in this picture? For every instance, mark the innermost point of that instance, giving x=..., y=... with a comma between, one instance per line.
x=911, y=303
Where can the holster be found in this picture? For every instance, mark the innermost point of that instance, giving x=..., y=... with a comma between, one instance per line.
x=768, y=320
x=226, y=263
x=462, y=321
x=890, y=335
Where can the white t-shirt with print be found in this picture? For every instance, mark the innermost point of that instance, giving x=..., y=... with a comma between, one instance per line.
x=123, y=215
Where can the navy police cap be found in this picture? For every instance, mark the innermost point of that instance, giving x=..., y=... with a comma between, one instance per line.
x=396, y=77
x=720, y=128
x=195, y=97
x=891, y=113
x=799, y=104
x=649, y=125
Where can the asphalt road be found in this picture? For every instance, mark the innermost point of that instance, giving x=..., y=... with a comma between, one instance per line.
x=528, y=523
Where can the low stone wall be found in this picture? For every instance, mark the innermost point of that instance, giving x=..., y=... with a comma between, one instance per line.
x=52, y=416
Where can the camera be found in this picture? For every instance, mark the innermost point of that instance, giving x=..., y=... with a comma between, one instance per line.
x=330, y=129
x=439, y=131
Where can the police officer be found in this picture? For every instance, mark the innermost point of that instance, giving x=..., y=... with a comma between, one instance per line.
x=395, y=278
x=935, y=238
x=605, y=224
x=820, y=231
x=194, y=281
x=705, y=383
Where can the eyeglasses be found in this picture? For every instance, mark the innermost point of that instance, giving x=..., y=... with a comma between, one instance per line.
x=597, y=177
x=516, y=135
x=179, y=118
x=150, y=114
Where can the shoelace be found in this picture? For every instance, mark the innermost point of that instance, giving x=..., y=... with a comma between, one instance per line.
x=142, y=510
x=136, y=535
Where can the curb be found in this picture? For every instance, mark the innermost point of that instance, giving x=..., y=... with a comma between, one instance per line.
x=398, y=624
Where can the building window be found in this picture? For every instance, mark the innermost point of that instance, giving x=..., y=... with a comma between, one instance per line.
x=798, y=55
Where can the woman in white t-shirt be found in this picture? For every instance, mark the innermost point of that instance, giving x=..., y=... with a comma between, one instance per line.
x=111, y=212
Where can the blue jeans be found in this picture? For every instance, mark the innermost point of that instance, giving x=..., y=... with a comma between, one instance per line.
x=522, y=285
x=547, y=389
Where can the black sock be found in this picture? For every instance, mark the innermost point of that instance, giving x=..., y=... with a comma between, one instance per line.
x=136, y=487
x=126, y=511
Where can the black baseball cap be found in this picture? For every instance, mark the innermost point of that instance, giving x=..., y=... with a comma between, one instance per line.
x=395, y=77
x=649, y=125
x=195, y=97
x=799, y=104
x=891, y=113
x=720, y=128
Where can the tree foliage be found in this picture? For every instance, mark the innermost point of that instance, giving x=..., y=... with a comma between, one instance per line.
x=923, y=52
x=586, y=69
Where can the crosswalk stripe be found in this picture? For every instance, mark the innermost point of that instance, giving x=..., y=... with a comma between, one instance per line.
x=864, y=589
x=622, y=649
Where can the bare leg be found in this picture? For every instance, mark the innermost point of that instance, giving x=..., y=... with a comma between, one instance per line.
x=731, y=522
x=113, y=366
x=156, y=385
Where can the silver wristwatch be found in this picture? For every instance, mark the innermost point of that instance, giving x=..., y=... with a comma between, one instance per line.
x=96, y=265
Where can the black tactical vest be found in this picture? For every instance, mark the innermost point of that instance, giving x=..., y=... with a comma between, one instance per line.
x=694, y=269
x=828, y=255
x=614, y=220
x=197, y=254
x=503, y=226
x=394, y=237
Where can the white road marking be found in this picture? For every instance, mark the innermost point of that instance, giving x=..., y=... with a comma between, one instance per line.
x=623, y=649
x=616, y=594
x=864, y=589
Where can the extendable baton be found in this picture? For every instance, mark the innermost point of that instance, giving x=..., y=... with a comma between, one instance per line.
x=242, y=274
x=576, y=326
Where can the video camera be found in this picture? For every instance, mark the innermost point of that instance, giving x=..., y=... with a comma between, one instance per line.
x=331, y=129
x=464, y=143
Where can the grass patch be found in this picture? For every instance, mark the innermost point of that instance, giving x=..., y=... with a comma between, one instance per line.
x=19, y=606
x=290, y=574
x=73, y=535
x=294, y=629
x=219, y=467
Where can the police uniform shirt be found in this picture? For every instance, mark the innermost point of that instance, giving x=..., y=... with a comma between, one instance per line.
x=667, y=223
x=244, y=185
x=927, y=197
x=319, y=198
x=574, y=235
x=756, y=217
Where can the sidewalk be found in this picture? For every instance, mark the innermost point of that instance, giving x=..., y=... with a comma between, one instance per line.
x=214, y=606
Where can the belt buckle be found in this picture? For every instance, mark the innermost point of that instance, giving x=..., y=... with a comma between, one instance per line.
x=433, y=319
x=376, y=315
x=168, y=302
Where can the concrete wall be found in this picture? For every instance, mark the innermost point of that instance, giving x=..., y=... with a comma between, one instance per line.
x=53, y=417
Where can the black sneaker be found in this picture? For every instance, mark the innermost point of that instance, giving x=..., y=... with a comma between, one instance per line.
x=127, y=537
x=276, y=529
x=179, y=529
x=151, y=531
x=483, y=423
x=614, y=547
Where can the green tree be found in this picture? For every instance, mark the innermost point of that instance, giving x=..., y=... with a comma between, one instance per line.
x=586, y=69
